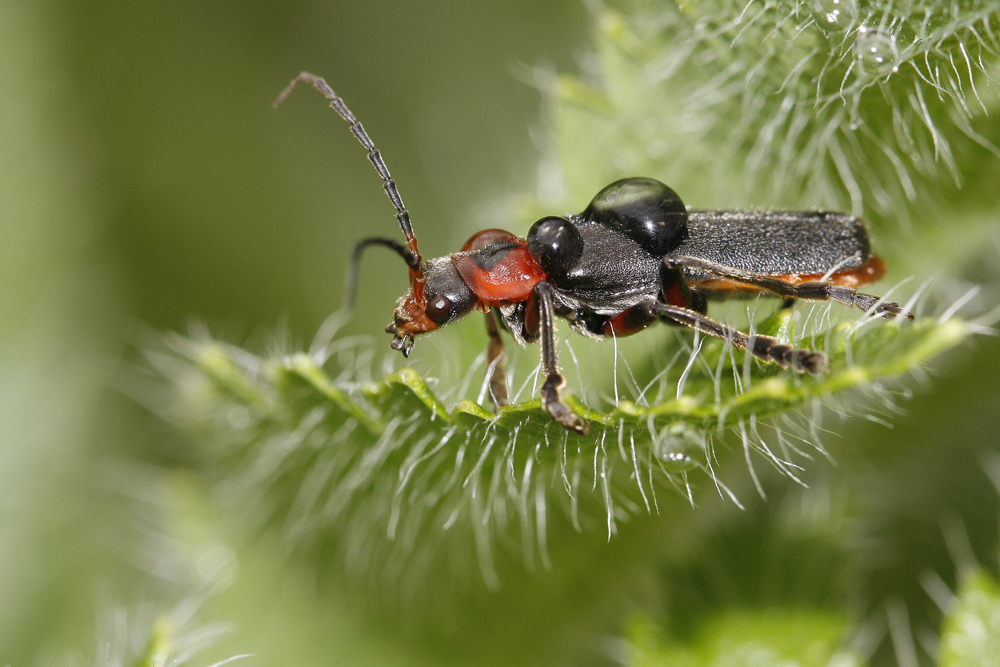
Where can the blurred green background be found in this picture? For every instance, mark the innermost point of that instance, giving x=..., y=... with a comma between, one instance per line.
x=146, y=183
x=220, y=208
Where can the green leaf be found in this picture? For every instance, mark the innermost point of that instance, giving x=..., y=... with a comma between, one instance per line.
x=971, y=633
x=790, y=638
x=316, y=457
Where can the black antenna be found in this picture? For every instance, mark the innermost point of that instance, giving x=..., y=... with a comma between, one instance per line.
x=352, y=277
x=374, y=157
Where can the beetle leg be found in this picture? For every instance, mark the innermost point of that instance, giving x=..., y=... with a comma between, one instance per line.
x=812, y=291
x=764, y=348
x=496, y=358
x=554, y=381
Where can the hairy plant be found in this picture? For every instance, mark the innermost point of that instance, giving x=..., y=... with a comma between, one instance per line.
x=879, y=108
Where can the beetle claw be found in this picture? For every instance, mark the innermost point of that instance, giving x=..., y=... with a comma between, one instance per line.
x=888, y=310
x=811, y=363
x=558, y=410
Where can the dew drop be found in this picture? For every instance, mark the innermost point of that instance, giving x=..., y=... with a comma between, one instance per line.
x=833, y=15
x=876, y=51
x=680, y=447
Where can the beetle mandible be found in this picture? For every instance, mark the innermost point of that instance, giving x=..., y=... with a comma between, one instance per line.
x=635, y=255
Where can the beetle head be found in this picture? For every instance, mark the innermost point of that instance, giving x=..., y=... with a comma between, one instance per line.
x=442, y=297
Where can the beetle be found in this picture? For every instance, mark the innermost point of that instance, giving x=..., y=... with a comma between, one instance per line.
x=635, y=255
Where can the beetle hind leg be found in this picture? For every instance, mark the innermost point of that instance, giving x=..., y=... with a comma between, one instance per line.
x=811, y=291
x=765, y=348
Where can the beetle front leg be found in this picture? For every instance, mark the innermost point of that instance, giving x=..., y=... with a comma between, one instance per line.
x=554, y=381
x=811, y=291
x=765, y=348
x=496, y=358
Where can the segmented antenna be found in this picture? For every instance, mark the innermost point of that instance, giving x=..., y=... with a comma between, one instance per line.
x=352, y=275
x=374, y=157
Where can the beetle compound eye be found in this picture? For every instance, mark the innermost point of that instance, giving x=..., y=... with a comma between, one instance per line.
x=439, y=309
x=557, y=244
x=644, y=210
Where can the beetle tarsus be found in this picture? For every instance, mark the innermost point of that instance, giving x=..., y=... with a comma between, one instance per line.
x=557, y=409
x=786, y=356
x=884, y=309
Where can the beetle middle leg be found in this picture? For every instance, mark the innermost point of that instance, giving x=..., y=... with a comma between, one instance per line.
x=496, y=357
x=811, y=291
x=765, y=348
x=679, y=304
x=554, y=381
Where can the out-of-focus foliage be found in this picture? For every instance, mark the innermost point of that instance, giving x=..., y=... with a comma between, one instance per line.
x=796, y=638
x=971, y=630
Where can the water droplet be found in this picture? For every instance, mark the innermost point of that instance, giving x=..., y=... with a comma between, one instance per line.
x=833, y=15
x=876, y=51
x=680, y=447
